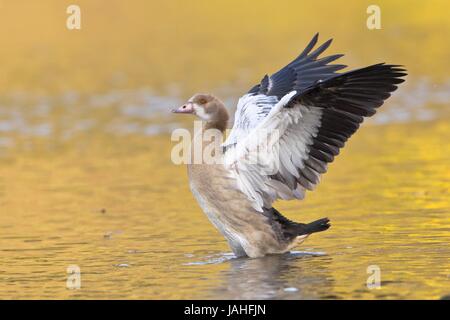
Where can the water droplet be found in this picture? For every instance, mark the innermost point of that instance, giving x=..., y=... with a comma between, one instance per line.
x=122, y=265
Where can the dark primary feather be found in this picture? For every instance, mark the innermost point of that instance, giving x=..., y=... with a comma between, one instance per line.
x=301, y=73
x=358, y=92
x=345, y=100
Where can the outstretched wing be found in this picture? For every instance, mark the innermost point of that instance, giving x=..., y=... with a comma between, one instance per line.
x=305, y=130
x=301, y=73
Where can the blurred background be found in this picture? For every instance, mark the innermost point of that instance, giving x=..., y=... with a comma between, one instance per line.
x=86, y=177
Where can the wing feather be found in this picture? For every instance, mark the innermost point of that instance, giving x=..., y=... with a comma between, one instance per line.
x=301, y=117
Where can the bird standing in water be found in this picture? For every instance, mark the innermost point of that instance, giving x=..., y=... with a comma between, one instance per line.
x=307, y=111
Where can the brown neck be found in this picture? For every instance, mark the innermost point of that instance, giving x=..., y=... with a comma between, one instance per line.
x=219, y=125
x=220, y=122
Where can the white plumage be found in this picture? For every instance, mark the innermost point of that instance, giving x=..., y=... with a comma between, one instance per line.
x=261, y=145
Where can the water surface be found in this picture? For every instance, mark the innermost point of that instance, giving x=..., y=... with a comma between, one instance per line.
x=86, y=177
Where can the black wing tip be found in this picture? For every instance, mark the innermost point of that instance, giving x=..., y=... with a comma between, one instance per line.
x=338, y=55
x=315, y=37
x=328, y=42
x=312, y=43
x=395, y=71
x=392, y=67
x=389, y=72
x=317, y=52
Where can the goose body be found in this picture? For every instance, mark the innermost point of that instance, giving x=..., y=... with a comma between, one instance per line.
x=286, y=130
x=248, y=231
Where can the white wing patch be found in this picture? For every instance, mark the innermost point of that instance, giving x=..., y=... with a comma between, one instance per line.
x=276, y=146
x=250, y=111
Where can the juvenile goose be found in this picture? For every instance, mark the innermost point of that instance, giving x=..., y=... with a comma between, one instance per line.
x=307, y=111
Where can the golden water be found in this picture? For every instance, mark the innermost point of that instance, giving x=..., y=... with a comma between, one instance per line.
x=86, y=177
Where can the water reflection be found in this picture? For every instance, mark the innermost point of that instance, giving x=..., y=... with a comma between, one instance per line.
x=289, y=276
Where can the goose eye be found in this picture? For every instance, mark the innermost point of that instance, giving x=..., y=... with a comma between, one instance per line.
x=202, y=101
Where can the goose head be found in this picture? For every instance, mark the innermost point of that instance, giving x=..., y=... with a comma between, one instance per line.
x=206, y=107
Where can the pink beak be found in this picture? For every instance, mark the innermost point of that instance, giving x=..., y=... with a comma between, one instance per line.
x=187, y=108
